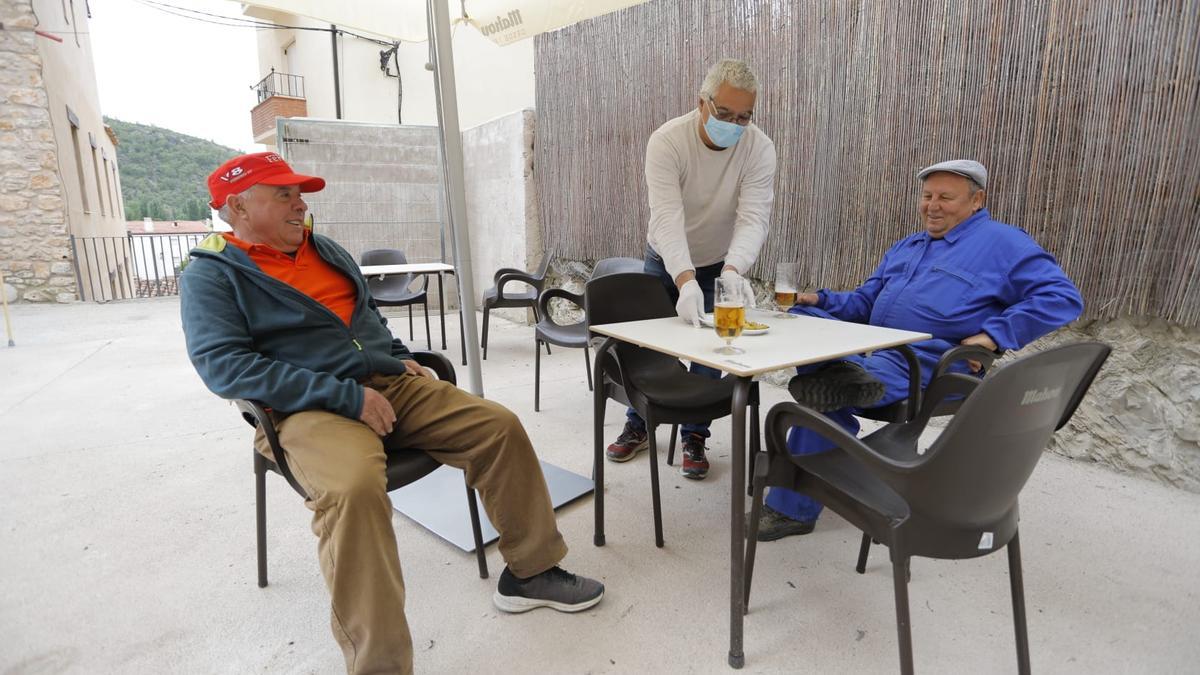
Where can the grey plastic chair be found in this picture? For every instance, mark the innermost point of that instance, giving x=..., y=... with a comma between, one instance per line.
x=655, y=384
x=956, y=501
x=498, y=297
x=396, y=290
x=573, y=335
x=404, y=466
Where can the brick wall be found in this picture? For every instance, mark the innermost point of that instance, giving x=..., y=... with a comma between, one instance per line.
x=263, y=116
x=34, y=245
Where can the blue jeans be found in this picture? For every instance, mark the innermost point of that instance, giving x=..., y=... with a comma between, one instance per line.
x=707, y=278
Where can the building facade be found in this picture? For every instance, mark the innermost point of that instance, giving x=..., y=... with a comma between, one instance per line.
x=58, y=159
x=377, y=79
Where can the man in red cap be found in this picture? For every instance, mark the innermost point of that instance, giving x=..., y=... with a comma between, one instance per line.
x=275, y=313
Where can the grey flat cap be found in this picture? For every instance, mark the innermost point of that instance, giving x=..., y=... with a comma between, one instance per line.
x=968, y=168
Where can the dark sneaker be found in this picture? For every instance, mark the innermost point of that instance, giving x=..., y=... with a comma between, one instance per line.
x=555, y=588
x=629, y=443
x=774, y=525
x=841, y=384
x=695, y=464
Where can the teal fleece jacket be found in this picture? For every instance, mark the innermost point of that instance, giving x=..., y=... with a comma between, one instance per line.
x=252, y=336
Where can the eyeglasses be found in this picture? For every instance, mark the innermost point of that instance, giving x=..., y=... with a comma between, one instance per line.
x=729, y=116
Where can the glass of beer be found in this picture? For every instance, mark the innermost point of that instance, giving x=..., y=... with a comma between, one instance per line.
x=786, y=276
x=729, y=316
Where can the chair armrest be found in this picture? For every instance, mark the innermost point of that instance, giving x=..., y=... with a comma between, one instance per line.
x=914, y=378
x=941, y=388
x=257, y=416
x=514, y=276
x=438, y=364
x=791, y=414
x=551, y=293
x=963, y=353
x=505, y=270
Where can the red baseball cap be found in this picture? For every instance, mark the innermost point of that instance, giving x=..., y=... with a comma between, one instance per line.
x=242, y=173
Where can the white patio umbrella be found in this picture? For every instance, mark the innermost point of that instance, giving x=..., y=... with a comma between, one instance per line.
x=502, y=21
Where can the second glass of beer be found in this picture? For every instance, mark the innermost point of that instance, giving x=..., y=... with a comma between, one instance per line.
x=786, y=276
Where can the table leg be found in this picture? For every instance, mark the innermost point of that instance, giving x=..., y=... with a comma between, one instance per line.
x=442, y=309
x=737, y=522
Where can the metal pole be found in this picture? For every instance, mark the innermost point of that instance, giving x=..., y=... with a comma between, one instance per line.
x=337, y=87
x=452, y=140
x=7, y=323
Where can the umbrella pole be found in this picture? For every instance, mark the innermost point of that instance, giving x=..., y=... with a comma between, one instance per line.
x=455, y=181
x=7, y=323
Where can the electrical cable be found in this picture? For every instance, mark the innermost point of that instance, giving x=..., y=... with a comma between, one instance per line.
x=240, y=22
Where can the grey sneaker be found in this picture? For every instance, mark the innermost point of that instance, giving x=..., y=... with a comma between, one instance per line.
x=774, y=525
x=555, y=588
x=840, y=384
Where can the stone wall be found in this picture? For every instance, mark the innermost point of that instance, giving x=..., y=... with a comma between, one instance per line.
x=34, y=245
x=1141, y=416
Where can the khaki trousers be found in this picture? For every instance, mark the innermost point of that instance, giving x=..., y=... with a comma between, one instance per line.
x=341, y=464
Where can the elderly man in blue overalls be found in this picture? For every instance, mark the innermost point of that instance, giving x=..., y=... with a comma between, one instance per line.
x=965, y=279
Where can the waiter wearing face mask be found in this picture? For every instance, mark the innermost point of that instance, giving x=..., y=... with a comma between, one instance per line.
x=710, y=176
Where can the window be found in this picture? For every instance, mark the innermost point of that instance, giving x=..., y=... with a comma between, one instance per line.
x=120, y=199
x=96, y=168
x=112, y=203
x=83, y=193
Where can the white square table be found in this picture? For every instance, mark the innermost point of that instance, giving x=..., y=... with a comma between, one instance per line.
x=424, y=269
x=789, y=342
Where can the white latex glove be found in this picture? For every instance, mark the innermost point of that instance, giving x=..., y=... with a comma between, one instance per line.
x=743, y=285
x=690, y=305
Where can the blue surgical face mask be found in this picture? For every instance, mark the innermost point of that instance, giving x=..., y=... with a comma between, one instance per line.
x=722, y=134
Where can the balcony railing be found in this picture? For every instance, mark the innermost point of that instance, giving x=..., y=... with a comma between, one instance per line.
x=134, y=266
x=280, y=84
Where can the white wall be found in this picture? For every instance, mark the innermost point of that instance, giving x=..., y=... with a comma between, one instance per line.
x=502, y=200
x=491, y=80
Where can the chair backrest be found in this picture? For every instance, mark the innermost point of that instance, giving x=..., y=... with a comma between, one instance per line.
x=974, y=471
x=544, y=266
x=607, y=266
x=627, y=296
x=392, y=283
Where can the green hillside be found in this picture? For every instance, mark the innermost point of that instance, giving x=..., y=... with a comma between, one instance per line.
x=163, y=172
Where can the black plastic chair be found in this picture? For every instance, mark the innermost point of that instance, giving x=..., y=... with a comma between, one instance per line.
x=956, y=501
x=573, y=335
x=395, y=290
x=403, y=467
x=498, y=297
x=905, y=410
x=655, y=384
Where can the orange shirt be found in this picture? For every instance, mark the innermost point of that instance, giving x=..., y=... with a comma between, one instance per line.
x=307, y=272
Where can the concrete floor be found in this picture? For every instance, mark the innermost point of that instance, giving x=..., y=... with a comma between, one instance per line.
x=127, y=544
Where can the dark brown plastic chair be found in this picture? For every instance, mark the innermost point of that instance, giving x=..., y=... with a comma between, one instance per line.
x=403, y=467
x=573, y=335
x=395, y=290
x=498, y=297
x=655, y=384
x=956, y=501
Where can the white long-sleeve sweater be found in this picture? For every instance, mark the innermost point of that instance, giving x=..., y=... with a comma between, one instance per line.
x=708, y=205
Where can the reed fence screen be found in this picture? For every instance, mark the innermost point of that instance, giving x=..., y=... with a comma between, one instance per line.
x=1084, y=112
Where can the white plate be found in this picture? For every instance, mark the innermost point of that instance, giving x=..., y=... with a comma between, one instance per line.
x=707, y=320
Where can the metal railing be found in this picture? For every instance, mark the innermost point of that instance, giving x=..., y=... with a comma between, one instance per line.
x=134, y=266
x=280, y=84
